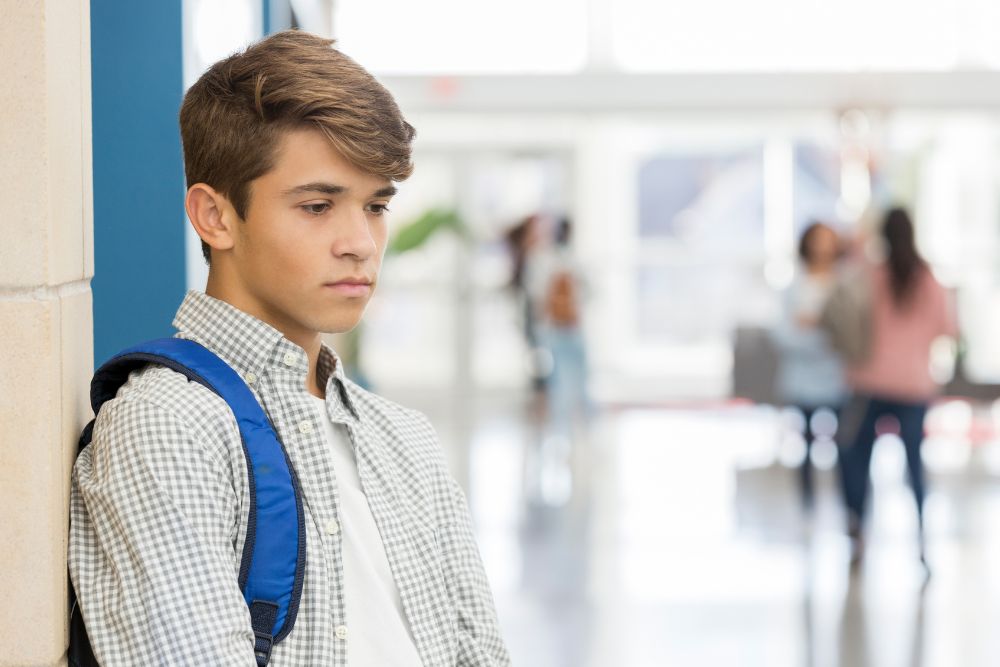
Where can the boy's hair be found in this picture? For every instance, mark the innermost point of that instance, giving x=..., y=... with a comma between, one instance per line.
x=233, y=117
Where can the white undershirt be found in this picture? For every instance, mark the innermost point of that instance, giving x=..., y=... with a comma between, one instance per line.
x=378, y=632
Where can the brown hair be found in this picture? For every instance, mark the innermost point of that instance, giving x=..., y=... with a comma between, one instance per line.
x=806, y=240
x=233, y=117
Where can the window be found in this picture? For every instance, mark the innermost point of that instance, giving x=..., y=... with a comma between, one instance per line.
x=792, y=35
x=461, y=37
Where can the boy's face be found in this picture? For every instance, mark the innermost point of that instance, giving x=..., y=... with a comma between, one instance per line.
x=307, y=257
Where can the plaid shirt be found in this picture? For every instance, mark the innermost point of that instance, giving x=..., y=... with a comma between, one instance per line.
x=159, y=509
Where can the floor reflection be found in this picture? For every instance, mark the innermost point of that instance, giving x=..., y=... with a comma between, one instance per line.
x=677, y=537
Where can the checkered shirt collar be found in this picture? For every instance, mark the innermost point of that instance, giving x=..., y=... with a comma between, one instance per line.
x=249, y=345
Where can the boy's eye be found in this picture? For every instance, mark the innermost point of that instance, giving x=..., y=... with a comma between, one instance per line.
x=316, y=209
x=379, y=209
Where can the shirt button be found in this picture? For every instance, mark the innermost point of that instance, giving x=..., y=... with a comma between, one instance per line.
x=332, y=528
x=290, y=358
x=341, y=632
x=306, y=427
x=250, y=378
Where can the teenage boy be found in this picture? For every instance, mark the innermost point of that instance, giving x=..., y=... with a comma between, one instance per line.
x=291, y=150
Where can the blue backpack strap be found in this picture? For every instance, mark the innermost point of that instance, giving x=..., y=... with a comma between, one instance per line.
x=272, y=567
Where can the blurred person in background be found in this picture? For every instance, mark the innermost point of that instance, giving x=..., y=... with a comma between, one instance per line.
x=555, y=285
x=907, y=311
x=523, y=241
x=810, y=373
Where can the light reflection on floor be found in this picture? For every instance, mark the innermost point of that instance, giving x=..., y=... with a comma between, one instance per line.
x=675, y=537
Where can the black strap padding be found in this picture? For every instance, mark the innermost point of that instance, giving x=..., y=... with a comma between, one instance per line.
x=262, y=617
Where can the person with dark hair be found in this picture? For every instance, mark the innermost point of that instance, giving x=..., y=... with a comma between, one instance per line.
x=909, y=310
x=523, y=241
x=810, y=374
x=558, y=285
x=291, y=152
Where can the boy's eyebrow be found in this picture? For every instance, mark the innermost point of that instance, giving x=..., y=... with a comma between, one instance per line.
x=318, y=186
x=333, y=189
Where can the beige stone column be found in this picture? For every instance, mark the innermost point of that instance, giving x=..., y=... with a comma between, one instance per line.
x=46, y=332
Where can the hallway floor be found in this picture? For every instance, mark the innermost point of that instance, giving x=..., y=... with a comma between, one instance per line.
x=677, y=537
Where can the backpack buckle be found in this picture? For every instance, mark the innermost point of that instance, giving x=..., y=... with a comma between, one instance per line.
x=262, y=647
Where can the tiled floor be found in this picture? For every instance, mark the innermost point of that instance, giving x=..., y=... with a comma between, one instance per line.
x=676, y=537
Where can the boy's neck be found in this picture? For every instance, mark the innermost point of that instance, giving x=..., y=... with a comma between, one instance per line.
x=312, y=354
x=309, y=341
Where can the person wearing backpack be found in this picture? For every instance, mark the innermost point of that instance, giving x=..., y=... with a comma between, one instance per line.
x=243, y=429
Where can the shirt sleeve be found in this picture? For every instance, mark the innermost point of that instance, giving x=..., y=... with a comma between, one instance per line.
x=152, y=553
x=479, y=641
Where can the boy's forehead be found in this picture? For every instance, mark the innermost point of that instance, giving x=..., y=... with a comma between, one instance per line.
x=296, y=144
x=306, y=155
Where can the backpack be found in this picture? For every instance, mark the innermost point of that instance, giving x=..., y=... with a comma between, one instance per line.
x=847, y=318
x=561, y=300
x=272, y=565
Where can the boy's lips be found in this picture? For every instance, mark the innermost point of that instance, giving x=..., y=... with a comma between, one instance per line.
x=351, y=286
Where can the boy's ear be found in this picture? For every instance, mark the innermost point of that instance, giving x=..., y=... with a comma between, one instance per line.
x=211, y=215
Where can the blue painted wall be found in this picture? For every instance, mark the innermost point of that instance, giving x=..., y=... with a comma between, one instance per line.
x=138, y=83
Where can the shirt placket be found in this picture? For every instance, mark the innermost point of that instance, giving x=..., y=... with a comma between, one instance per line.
x=299, y=429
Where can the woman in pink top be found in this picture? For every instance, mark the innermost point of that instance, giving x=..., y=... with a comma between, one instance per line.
x=909, y=310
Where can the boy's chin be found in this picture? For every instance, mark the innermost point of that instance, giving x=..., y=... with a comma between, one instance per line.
x=340, y=325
